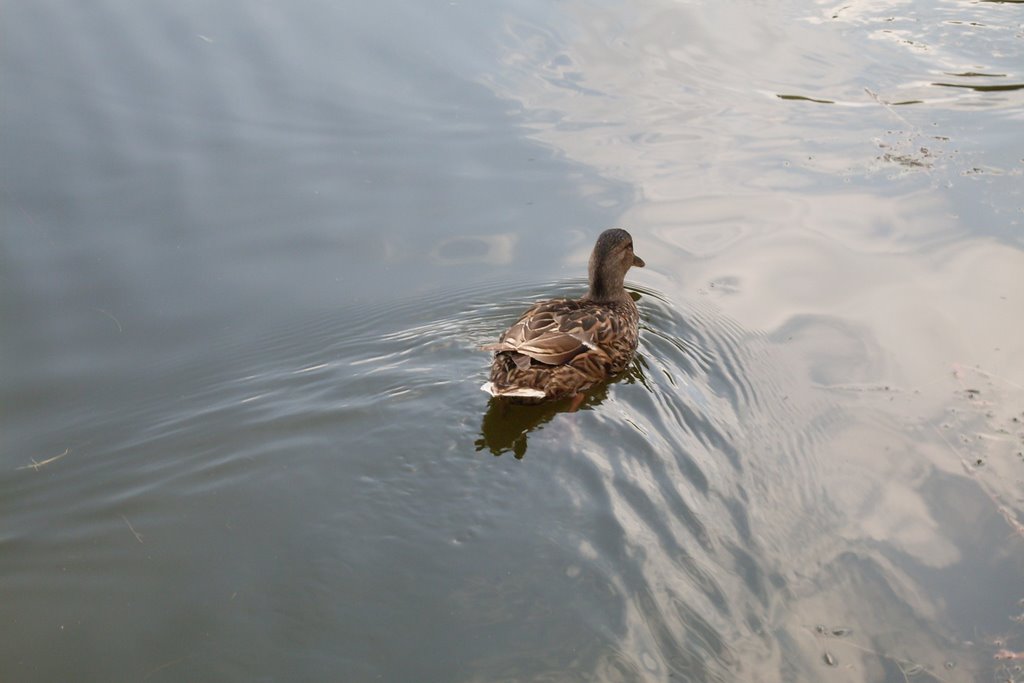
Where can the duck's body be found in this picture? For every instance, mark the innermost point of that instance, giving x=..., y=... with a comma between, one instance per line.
x=561, y=347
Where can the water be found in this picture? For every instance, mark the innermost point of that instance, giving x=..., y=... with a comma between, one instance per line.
x=247, y=254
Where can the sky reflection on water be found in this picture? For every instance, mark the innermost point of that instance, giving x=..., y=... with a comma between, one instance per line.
x=250, y=253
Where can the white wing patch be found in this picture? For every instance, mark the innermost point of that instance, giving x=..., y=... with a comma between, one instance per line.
x=521, y=392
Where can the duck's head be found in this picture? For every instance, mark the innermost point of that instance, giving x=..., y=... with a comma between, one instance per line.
x=612, y=257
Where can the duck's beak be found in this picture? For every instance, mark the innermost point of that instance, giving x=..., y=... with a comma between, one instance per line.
x=638, y=262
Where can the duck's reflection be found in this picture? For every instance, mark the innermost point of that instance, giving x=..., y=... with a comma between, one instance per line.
x=507, y=425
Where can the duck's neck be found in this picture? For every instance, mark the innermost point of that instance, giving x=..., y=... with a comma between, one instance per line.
x=606, y=285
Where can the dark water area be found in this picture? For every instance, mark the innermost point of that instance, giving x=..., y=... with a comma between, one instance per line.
x=248, y=252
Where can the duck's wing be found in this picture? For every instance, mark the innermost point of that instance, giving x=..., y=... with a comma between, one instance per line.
x=554, y=332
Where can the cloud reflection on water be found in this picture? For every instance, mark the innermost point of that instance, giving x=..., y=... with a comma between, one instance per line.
x=865, y=270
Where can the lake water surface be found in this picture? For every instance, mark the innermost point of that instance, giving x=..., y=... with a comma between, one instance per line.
x=248, y=251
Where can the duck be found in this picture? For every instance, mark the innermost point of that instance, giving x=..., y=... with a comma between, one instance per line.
x=559, y=348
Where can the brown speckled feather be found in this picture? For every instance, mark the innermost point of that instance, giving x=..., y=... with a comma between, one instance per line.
x=560, y=347
x=569, y=345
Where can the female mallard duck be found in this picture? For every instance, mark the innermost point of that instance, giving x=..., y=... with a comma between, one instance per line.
x=563, y=346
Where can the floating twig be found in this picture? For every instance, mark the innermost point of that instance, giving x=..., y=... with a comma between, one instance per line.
x=889, y=108
x=138, y=536
x=35, y=465
x=956, y=452
x=1011, y=519
x=165, y=665
x=991, y=375
x=111, y=316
